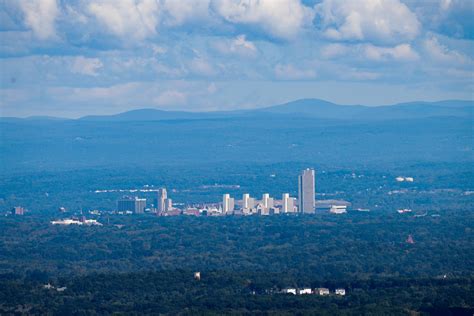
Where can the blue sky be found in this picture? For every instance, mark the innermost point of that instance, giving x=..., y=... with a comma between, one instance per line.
x=74, y=58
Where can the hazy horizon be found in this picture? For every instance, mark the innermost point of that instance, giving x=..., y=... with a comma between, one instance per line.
x=235, y=109
x=94, y=58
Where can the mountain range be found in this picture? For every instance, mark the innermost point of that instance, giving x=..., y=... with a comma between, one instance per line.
x=308, y=108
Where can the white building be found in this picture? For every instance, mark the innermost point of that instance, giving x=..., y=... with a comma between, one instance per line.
x=322, y=291
x=404, y=210
x=161, y=200
x=267, y=201
x=287, y=203
x=69, y=221
x=248, y=202
x=341, y=292
x=338, y=209
x=168, y=204
x=289, y=291
x=304, y=291
x=227, y=204
x=306, y=191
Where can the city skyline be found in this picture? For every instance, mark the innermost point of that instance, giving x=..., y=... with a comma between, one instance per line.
x=248, y=205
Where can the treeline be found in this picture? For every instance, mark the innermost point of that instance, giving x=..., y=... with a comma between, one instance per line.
x=354, y=245
x=218, y=292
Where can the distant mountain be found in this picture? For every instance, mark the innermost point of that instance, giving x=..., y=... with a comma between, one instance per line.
x=317, y=108
x=324, y=109
x=32, y=118
x=309, y=108
x=141, y=115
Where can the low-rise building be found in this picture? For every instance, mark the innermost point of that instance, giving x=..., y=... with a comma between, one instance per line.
x=338, y=209
x=322, y=291
x=71, y=221
x=197, y=276
x=18, y=210
x=327, y=205
x=289, y=290
x=341, y=292
x=305, y=290
x=405, y=210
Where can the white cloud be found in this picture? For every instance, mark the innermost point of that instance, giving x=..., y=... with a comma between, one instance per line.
x=290, y=72
x=171, y=97
x=40, y=16
x=334, y=50
x=135, y=19
x=239, y=45
x=280, y=18
x=201, y=66
x=403, y=52
x=182, y=11
x=86, y=66
x=443, y=54
x=357, y=74
x=385, y=21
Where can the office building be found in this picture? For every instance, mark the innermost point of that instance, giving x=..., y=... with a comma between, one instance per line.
x=227, y=204
x=168, y=204
x=267, y=201
x=161, y=200
x=287, y=203
x=131, y=204
x=18, y=210
x=306, y=191
x=248, y=202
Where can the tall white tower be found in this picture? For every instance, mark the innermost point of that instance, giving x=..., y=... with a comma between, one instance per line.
x=227, y=203
x=267, y=201
x=247, y=201
x=306, y=191
x=287, y=203
x=161, y=201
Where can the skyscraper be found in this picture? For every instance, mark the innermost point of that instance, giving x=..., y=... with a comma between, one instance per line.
x=267, y=201
x=227, y=203
x=287, y=203
x=247, y=201
x=132, y=204
x=306, y=191
x=161, y=200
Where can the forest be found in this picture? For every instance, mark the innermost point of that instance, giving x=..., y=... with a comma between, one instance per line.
x=145, y=264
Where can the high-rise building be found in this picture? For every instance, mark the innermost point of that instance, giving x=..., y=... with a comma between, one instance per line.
x=247, y=201
x=161, y=200
x=267, y=201
x=306, y=191
x=227, y=203
x=131, y=204
x=168, y=204
x=287, y=203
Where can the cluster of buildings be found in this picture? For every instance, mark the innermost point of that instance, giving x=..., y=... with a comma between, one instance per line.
x=77, y=221
x=248, y=205
x=322, y=291
x=161, y=205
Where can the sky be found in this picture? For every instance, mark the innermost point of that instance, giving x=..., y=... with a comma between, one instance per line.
x=76, y=57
